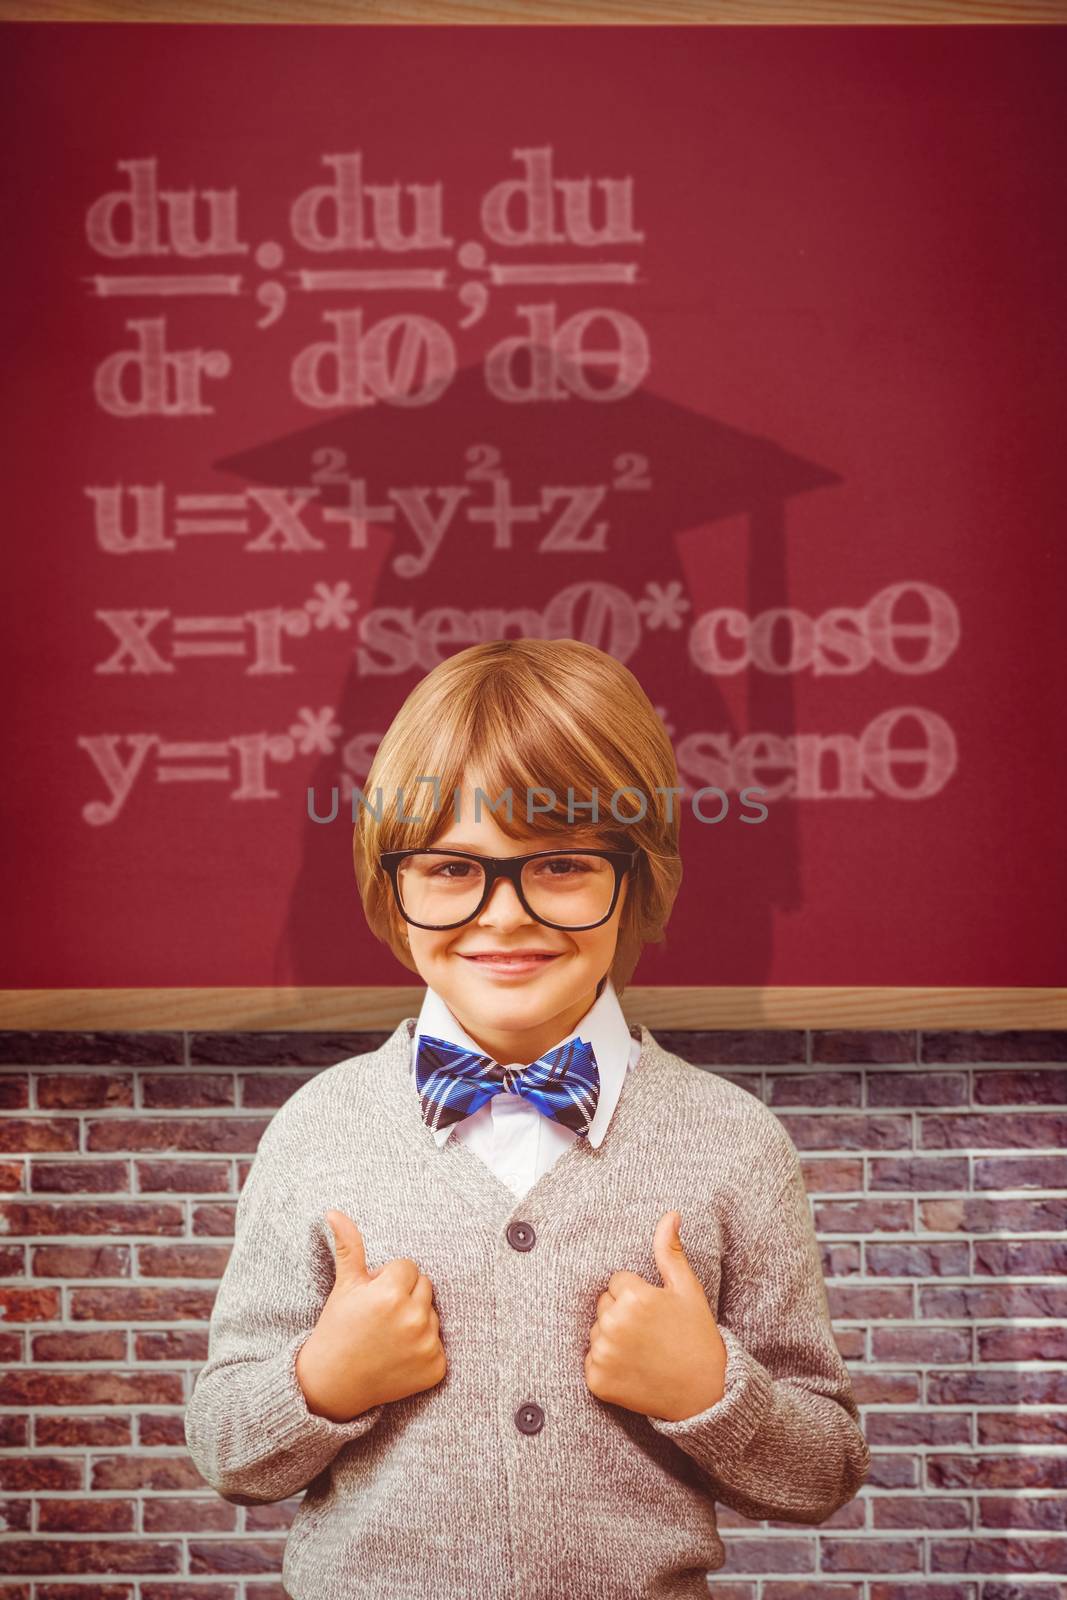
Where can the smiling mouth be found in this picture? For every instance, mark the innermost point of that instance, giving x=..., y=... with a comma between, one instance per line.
x=507, y=958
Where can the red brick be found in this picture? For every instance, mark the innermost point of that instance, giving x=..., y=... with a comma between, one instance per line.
x=814, y=1089
x=270, y=1089
x=984, y=1215
x=184, y=1177
x=986, y=1300
x=15, y=1516
x=716, y=1047
x=917, y=1088
x=182, y=1260
x=1021, y=1172
x=41, y=1472
x=773, y=1553
x=972, y=1129
x=90, y=1216
x=995, y=1386
x=919, y=1511
x=1045, y=1513
x=169, y=1514
x=851, y=1301
x=831, y=1174
x=863, y=1044
x=186, y=1090
x=1035, y=1342
x=864, y=1216
x=922, y=1343
x=1043, y=1086
x=198, y=1591
x=1014, y=1471
x=930, y=1258
x=226, y=1555
x=911, y=1590
x=831, y=1130
x=145, y=1472
x=81, y=1261
x=66, y=1430
x=29, y=1305
x=788, y=1589
x=79, y=1177
x=161, y=1428
x=149, y=1304
x=171, y=1344
x=1020, y=1427
x=1022, y=1044
x=89, y=1555
x=52, y=1046
x=212, y=1134
x=104, y=1345
x=840, y=1259
x=91, y=1515
x=38, y=1133
x=216, y=1220
x=896, y=1471
x=917, y=1427
x=83, y=1091
x=912, y=1172
x=871, y=1555
x=49, y=1388
x=886, y=1388
x=1021, y=1256
x=998, y=1555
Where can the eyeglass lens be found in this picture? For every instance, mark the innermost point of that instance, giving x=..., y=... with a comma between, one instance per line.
x=568, y=890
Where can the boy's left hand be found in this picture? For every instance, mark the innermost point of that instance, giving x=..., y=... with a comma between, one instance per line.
x=657, y=1351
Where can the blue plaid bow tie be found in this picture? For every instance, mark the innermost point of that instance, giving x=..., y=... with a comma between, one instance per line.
x=453, y=1083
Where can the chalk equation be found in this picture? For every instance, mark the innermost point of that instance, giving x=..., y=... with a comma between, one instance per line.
x=405, y=359
x=907, y=739
x=721, y=642
x=454, y=514
x=562, y=520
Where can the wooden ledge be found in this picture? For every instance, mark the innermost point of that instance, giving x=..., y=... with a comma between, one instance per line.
x=359, y=1010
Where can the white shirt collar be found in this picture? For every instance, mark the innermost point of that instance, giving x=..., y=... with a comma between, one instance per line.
x=603, y=1026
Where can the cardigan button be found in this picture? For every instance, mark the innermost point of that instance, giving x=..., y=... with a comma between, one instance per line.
x=521, y=1235
x=529, y=1418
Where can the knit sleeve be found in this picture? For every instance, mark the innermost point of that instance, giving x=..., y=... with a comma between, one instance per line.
x=783, y=1441
x=247, y=1424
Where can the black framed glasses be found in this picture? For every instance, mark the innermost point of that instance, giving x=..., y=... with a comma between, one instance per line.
x=569, y=889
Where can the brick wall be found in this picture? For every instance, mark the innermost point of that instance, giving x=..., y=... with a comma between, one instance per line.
x=937, y=1168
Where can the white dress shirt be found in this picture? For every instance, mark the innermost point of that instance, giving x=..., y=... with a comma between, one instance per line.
x=511, y=1136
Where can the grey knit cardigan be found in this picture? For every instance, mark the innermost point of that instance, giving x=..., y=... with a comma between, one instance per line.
x=509, y=1478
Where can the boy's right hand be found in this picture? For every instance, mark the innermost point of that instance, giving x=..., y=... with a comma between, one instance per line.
x=378, y=1337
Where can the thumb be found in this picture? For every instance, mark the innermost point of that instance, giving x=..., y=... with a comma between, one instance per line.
x=350, y=1260
x=674, y=1269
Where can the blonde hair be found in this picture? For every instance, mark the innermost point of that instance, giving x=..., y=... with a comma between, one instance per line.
x=528, y=714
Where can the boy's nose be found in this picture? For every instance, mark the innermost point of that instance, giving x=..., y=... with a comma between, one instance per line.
x=503, y=904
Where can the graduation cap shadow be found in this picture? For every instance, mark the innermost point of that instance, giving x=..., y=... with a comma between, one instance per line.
x=668, y=471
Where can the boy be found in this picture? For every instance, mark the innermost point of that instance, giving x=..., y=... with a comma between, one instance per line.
x=458, y=1311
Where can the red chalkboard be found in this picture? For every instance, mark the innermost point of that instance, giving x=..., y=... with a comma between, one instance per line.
x=737, y=352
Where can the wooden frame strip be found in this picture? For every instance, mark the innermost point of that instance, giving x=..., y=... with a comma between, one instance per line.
x=356, y=1010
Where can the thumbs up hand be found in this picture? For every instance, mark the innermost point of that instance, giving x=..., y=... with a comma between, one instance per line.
x=657, y=1351
x=378, y=1336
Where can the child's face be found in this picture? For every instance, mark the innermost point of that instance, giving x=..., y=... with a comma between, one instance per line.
x=514, y=1016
